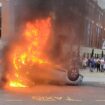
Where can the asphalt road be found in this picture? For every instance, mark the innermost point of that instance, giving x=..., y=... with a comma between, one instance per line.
x=86, y=94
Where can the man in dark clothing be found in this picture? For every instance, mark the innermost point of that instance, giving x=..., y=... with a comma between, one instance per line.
x=92, y=64
x=98, y=65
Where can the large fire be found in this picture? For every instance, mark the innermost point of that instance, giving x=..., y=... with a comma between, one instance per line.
x=28, y=52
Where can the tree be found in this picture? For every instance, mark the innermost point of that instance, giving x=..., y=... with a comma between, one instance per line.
x=92, y=53
x=102, y=54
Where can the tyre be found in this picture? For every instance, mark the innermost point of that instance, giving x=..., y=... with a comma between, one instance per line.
x=73, y=74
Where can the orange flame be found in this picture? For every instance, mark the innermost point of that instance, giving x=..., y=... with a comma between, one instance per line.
x=29, y=51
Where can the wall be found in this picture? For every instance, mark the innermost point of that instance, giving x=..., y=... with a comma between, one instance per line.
x=7, y=19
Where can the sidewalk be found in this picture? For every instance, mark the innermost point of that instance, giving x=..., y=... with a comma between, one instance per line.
x=98, y=77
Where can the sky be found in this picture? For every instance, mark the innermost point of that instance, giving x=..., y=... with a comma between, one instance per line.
x=101, y=3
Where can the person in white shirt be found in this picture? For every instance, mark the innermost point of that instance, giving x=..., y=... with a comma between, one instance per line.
x=102, y=64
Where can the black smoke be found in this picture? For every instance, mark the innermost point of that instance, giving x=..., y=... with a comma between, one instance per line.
x=68, y=24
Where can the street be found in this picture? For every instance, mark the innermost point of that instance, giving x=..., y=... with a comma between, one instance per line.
x=86, y=94
x=90, y=92
x=52, y=52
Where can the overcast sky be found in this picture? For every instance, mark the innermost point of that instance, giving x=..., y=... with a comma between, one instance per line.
x=101, y=3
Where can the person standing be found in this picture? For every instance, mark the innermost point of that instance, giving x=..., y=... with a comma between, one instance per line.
x=92, y=64
x=104, y=67
x=101, y=64
x=84, y=63
x=98, y=65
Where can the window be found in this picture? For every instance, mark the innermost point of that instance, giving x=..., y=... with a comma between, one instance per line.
x=97, y=30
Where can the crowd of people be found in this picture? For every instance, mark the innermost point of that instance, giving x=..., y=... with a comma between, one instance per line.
x=93, y=64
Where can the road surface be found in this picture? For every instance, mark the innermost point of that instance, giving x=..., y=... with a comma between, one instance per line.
x=86, y=94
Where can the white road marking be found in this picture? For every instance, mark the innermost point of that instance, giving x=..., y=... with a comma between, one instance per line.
x=73, y=100
x=40, y=98
x=14, y=100
x=100, y=100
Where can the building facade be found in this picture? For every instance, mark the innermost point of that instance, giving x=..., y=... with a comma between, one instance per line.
x=94, y=33
x=94, y=29
x=7, y=19
x=85, y=17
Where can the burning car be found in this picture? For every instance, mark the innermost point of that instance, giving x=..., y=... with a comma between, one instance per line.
x=43, y=49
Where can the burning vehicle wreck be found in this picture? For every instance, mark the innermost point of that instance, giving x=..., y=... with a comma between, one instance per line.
x=44, y=47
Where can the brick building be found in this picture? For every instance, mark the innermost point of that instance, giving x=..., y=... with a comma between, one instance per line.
x=94, y=29
x=9, y=15
x=94, y=33
x=85, y=17
x=7, y=19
